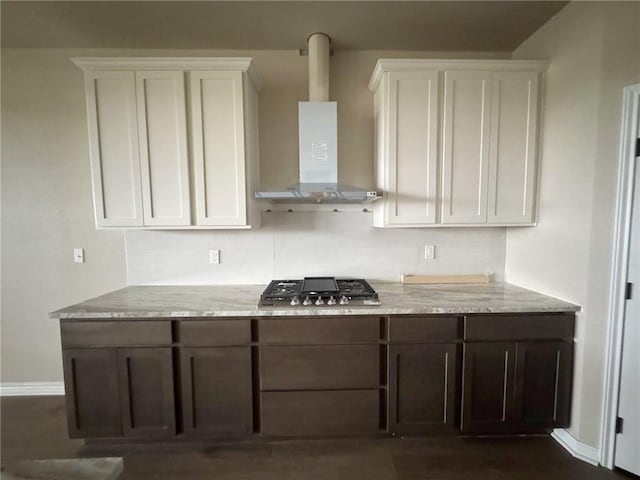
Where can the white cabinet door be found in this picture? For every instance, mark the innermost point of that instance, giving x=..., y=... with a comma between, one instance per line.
x=113, y=139
x=465, y=146
x=164, y=161
x=412, y=150
x=513, y=145
x=218, y=138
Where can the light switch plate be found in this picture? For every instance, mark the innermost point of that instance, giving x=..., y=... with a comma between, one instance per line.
x=214, y=257
x=429, y=252
x=78, y=255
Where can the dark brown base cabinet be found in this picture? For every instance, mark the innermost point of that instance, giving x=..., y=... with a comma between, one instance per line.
x=113, y=392
x=216, y=391
x=544, y=373
x=92, y=392
x=423, y=388
x=519, y=386
x=424, y=371
x=321, y=376
x=317, y=376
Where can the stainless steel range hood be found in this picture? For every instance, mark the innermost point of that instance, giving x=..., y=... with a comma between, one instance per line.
x=318, y=141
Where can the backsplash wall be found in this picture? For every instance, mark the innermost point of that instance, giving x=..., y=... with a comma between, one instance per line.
x=295, y=244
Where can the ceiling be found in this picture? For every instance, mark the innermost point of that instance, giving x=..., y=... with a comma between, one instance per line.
x=352, y=25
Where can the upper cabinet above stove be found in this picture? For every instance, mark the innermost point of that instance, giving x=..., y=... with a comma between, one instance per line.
x=173, y=141
x=456, y=141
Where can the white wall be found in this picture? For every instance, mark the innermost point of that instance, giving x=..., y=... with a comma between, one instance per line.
x=46, y=202
x=594, y=49
x=46, y=212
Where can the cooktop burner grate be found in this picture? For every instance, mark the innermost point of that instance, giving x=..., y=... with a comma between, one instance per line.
x=319, y=291
x=286, y=288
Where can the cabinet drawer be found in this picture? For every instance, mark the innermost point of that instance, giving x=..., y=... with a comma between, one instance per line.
x=315, y=330
x=519, y=327
x=322, y=367
x=115, y=333
x=196, y=333
x=345, y=412
x=425, y=329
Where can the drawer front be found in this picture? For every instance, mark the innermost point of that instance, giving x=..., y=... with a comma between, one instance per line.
x=316, y=330
x=115, y=333
x=425, y=329
x=322, y=367
x=345, y=412
x=199, y=333
x=519, y=327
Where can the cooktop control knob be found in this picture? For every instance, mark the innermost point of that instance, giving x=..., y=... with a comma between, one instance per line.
x=331, y=301
x=344, y=300
x=295, y=301
x=306, y=301
x=319, y=301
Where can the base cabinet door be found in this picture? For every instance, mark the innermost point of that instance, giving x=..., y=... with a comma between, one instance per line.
x=146, y=392
x=518, y=387
x=422, y=388
x=543, y=384
x=115, y=392
x=91, y=384
x=488, y=387
x=217, y=391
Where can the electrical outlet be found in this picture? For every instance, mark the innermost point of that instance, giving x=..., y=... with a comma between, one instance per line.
x=429, y=252
x=214, y=257
x=78, y=255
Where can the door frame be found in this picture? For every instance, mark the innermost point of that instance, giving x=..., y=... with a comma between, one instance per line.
x=622, y=230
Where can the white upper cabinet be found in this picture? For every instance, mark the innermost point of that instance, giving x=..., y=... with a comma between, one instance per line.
x=465, y=149
x=513, y=147
x=456, y=141
x=164, y=163
x=218, y=150
x=115, y=160
x=406, y=114
x=157, y=165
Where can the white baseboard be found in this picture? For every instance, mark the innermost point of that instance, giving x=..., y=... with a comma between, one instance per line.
x=581, y=451
x=28, y=389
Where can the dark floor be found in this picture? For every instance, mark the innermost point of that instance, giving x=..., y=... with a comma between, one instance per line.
x=34, y=428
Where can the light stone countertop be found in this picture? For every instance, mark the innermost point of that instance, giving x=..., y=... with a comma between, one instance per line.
x=242, y=300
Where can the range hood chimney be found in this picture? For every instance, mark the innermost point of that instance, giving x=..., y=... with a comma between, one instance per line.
x=319, y=53
x=318, y=140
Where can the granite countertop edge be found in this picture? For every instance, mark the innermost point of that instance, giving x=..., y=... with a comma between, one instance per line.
x=240, y=301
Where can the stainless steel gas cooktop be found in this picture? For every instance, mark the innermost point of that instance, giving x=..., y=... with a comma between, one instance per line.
x=319, y=292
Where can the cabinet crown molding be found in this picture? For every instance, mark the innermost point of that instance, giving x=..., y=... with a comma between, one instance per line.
x=241, y=64
x=405, y=65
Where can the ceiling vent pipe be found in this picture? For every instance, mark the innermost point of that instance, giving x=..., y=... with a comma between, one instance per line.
x=319, y=53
